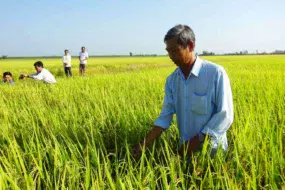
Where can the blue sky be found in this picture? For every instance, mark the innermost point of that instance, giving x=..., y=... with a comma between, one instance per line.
x=41, y=27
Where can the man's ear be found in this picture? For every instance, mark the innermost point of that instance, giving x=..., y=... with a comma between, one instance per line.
x=191, y=45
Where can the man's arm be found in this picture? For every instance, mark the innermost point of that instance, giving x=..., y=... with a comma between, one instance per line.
x=36, y=76
x=153, y=134
x=63, y=61
x=161, y=123
x=222, y=120
x=27, y=76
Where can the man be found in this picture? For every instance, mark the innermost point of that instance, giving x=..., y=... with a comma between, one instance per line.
x=41, y=74
x=7, y=78
x=66, y=59
x=198, y=92
x=83, y=57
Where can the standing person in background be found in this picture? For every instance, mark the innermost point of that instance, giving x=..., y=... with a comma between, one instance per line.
x=83, y=57
x=7, y=78
x=66, y=59
x=41, y=74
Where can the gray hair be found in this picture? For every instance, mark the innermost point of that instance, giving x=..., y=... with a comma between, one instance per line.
x=184, y=34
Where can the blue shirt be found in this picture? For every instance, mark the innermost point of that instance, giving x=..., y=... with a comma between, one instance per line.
x=11, y=82
x=202, y=103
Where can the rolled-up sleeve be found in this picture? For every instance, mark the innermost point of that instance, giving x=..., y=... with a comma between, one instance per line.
x=165, y=118
x=222, y=120
x=37, y=76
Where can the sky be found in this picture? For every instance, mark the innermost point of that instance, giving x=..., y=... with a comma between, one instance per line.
x=47, y=27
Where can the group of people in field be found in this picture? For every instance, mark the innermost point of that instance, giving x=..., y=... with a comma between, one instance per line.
x=46, y=76
x=198, y=92
x=66, y=60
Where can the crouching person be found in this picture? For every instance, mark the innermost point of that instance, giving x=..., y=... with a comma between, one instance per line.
x=7, y=78
x=41, y=74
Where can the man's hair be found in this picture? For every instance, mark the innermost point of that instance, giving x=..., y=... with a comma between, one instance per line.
x=7, y=73
x=66, y=50
x=38, y=64
x=183, y=33
x=82, y=47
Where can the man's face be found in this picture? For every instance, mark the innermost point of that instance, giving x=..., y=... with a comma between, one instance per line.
x=65, y=52
x=83, y=50
x=7, y=78
x=177, y=53
x=38, y=69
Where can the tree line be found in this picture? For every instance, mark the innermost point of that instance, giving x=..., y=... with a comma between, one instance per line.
x=204, y=53
x=245, y=52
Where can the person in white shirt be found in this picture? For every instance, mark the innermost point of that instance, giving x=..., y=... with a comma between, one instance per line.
x=41, y=74
x=83, y=57
x=66, y=60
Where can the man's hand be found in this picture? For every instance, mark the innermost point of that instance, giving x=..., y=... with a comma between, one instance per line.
x=153, y=134
x=22, y=76
x=137, y=150
x=190, y=146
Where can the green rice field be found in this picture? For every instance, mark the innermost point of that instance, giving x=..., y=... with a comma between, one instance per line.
x=79, y=133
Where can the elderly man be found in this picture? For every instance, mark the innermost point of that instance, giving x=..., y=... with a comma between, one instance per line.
x=41, y=74
x=198, y=92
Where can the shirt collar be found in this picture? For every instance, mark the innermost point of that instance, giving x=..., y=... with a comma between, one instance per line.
x=41, y=71
x=197, y=67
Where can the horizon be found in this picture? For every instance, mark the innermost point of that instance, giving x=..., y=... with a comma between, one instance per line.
x=150, y=55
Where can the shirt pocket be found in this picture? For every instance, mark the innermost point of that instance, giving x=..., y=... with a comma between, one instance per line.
x=199, y=104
